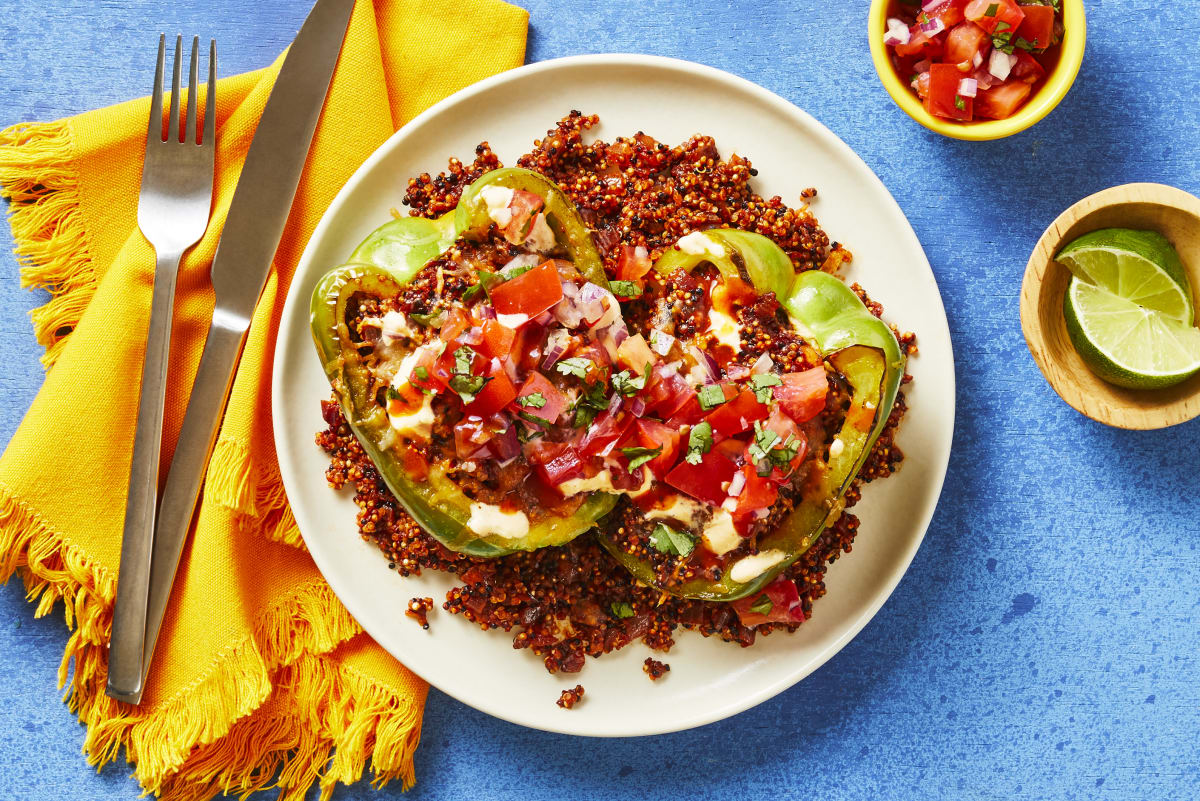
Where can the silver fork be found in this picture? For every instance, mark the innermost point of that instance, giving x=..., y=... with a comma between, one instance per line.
x=173, y=212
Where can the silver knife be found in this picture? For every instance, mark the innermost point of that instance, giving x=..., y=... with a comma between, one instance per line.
x=257, y=214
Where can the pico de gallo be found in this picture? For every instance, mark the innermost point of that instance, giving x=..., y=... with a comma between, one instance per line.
x=974, y=59
x=521, y=381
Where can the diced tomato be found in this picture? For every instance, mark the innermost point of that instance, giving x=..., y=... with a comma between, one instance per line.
x=707, y=481
x=667, y=394
x=444, y=368
x=633, y=264
x=653, y=434
x=944, y=99
x=524, y=207
x=604, y=433
x=1038, y=27
x=783, y=425
x=802, y=395
x=497, y=340
x=495, y=395
x=784, y=604
x=414, y=464
x=530, y=293
x=737, y=415
x=470, y=437
x=1027, y=68
x=426, y=359
x=964, y=43
x=921, y=85
x=454, y=324
x=635, y=354
x=949, y=12
x=556, y=401
x=921, y=44
x=688, y=414
x=996, y=16
x=403, y=399
x=758, y=493
x=563, y=467
x=1000, y=102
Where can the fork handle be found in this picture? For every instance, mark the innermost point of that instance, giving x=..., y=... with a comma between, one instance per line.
x=214, y=377
x=129, y=613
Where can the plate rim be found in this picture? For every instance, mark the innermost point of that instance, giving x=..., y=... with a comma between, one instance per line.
x=803, y=119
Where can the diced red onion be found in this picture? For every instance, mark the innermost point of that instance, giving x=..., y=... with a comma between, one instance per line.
x=933, y=27
x=736, y=372
x=930, y=5
x=1000, y=64
x=485, y=311
x=897, y=33
x=472, y=336
x=762, y=364
x=985, y=79
x=522, y=260
x=706, y=363
x=670, y=368
x=614, y=403
x=599, y=306
x=544, y=318
x=637, y=407
x=506, y=446
x=556, y=346
x=737, y=484
x=661, y=342
x=922, y=66
x=977, y=59
x=968, y=87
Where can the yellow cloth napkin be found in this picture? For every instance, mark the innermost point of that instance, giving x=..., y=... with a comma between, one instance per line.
x=261, y=677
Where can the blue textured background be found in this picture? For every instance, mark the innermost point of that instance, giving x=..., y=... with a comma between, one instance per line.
x=1045, y=642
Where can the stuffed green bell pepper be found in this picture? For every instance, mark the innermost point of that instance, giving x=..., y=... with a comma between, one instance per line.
x=771, y=449
x=395, y=394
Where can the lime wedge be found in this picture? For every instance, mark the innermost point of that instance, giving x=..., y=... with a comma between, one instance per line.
x=1127, y=344
x=1139, y=266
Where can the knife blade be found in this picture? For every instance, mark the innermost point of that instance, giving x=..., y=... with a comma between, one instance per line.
x=257, y=214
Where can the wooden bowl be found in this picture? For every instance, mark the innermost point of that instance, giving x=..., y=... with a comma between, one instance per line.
x=1173, y=213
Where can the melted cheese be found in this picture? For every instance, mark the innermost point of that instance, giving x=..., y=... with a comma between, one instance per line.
x=751, y=567
x=602, y=482
x=698, y=244
x=395, y=326
x=719, y=535
x=725, y=329
x=685, y=510
x=489, y=520
x=497, y=199
x=416, y=424
x=836, y=448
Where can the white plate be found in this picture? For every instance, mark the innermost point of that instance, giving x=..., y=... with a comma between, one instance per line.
x=670, y=100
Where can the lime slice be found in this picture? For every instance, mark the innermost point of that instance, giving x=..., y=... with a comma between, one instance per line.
x=1139, y=266
x=1126, y=344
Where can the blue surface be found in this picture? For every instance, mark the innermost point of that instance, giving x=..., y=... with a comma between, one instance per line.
x=1045, y=642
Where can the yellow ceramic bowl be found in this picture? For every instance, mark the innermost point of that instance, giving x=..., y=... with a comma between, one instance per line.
x=1048, y=96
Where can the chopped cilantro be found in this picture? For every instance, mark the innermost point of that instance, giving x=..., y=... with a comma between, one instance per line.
x=487, y=280
x=1001, y=27
x=639, y=456
x=509, y=275
x=592, y=400
x=533, y=418
x=959, y=103
x=665, y=539
x=534, y=400
x=768, y=451
x=991, y=10
x=621, y=610
x=393, y=394
x=711, y=396
x=761, y=384
x=468, y=386
x=462, y=360
x=431, y=320
x=700, y=442
x=762, y=605
x=577, y=366
x=421, y=373
x=627, y=385
x=625, y=289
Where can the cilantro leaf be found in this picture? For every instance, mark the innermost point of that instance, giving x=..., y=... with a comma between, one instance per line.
x=463, y=357
x=577, y=366
x=534, y=400
x=665, y=539
x=991, y=10
x=711, y=396
x=468, y=386
x=487, y=281
x=639, y=456
x=959, y=103
x=509, y=275
x=700, y=442
x=431, y=320
x=421, y=373
x=761, y=384
x=393, y=393
x=533, y=418
x=621, y=610
x=625, y=289
x=762, y=605
x=627, y=385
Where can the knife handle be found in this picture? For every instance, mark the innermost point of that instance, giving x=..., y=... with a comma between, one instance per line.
x=137, y=539
x=210, y=390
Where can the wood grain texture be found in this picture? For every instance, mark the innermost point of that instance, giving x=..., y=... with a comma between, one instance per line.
x=1154, y=207
x=1045, y=643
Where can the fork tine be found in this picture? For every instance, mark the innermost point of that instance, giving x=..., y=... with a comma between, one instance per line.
x=192, y=111
x=154, y=131
x=173, y=127
x=210, y=114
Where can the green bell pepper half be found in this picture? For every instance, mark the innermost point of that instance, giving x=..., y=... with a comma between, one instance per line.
x=859, y=346
x=406, y=244
x=437, y=504
x=472, y=220
x=766, y=265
